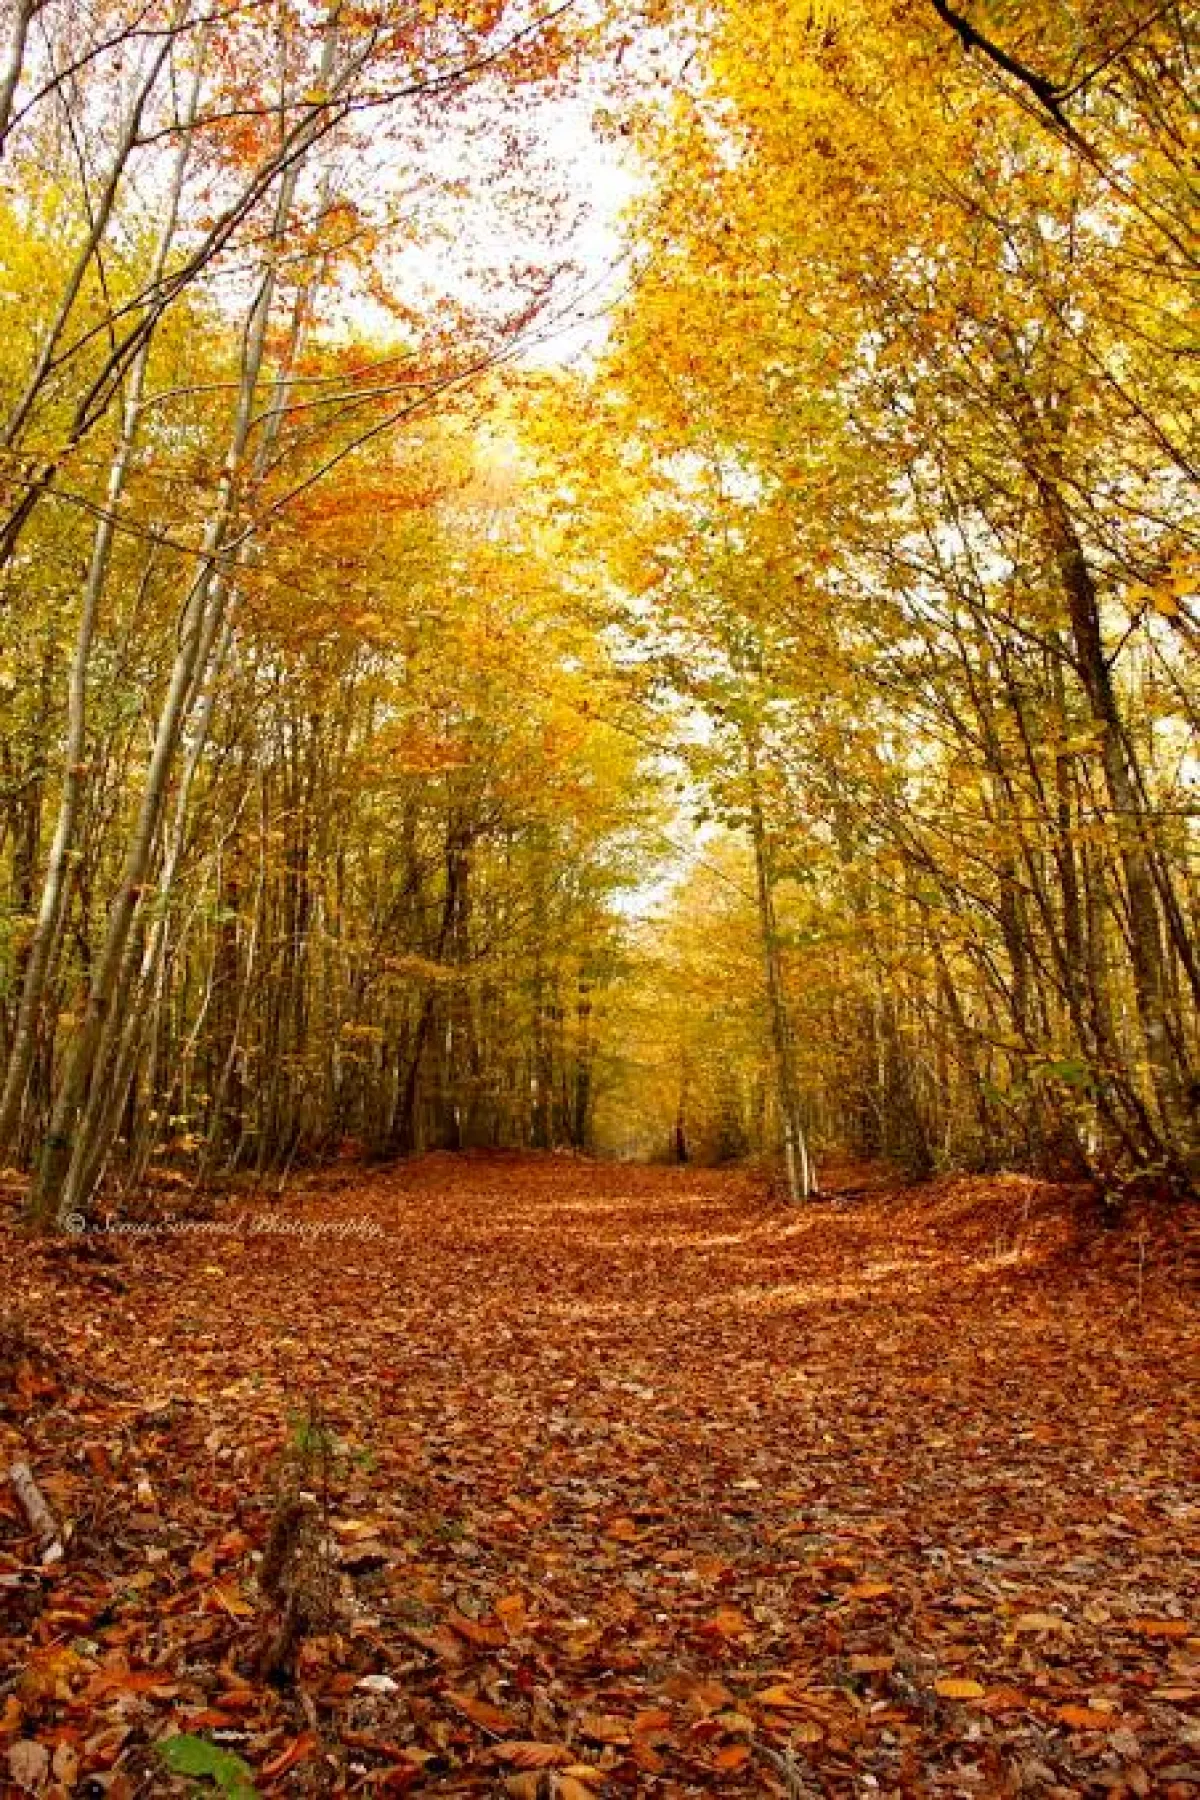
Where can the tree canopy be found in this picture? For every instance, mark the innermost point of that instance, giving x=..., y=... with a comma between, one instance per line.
x=771, y=730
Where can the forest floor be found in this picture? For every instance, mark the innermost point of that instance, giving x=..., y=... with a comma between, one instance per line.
x=627, y=1481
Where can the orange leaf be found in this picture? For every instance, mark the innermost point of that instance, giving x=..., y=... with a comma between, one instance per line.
x=731, y=1621
x=781, y=1697
x=733, y=1756
x=656, y=1718
x=1082, y=1717
x=239, y=1699
x=296, y=1752
x=707, y=1696
x=478, y=1632
x=1004, y=1699
x=513, y=1611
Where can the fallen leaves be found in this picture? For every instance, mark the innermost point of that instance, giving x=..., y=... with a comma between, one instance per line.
x=1039, y=1622
x=29, y=1764
x=1084, y=1718
x=608, y=1519
x=604, y=1728
x=733, y=1756
x=731, y=1622
x=489, y=1718
x=534, y=1756
x=298, y=1751
x=566, y=1784
x=479, y=1632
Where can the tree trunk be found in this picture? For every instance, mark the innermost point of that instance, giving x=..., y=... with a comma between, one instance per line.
x=797, y=1162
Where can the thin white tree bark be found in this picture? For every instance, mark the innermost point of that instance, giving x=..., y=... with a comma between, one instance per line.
x=69, y=1157
x=798, y=1163
x=136, y=993
x=39, y=966
x=14, y=62
x=100, y=215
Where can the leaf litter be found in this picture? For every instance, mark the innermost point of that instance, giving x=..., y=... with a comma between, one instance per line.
x=625, y=1481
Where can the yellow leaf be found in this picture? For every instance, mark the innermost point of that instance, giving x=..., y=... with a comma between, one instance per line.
x=781, y=1697
x=954, y=1687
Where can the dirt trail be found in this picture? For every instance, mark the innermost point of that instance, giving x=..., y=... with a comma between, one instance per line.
x=891, y=1497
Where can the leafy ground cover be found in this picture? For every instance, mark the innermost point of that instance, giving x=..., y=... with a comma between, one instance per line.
x=621, y=1480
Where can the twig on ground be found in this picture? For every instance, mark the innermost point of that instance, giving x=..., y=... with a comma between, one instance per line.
x=41, y=1519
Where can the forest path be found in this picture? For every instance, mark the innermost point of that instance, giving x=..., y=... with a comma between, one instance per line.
x=633, y=1464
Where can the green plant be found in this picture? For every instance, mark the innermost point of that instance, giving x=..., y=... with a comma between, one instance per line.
x=187, y=1755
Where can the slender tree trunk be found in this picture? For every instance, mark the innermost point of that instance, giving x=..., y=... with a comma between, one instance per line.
x=1170, y=1078
x=98, y=222
x=798, y=1163
x=24, y=13
x=200, y=623
x=46, y=934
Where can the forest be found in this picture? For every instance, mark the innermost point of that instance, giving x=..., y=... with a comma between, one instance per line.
x=365, y=660
x=599, y=615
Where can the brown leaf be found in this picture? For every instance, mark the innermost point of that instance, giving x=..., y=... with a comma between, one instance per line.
x=806, y=1731
x=28, y=1764
x=605, y=1728
x=1039, y=1621
x=655, y=1718
x=482, y=1713
x=65, y=1764
x=481, y=1633
x=440, y=1641
x=527, y=1754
